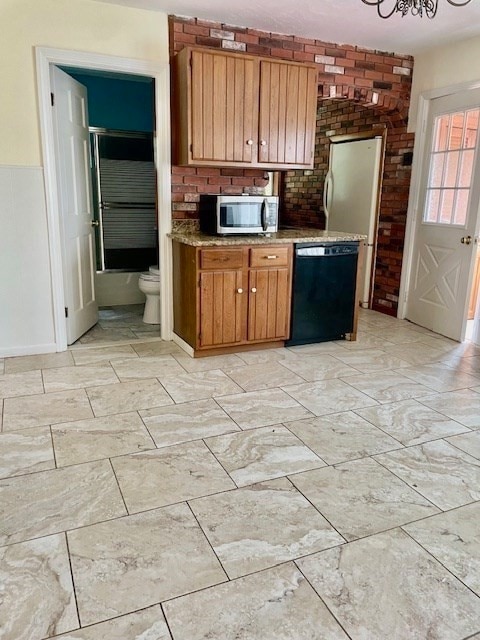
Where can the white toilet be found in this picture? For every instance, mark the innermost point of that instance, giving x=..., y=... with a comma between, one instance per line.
x=149, y=284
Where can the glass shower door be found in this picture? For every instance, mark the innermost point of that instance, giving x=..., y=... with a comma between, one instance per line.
x=126, y=200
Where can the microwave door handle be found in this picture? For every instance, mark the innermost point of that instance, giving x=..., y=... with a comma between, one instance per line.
x=264, y=215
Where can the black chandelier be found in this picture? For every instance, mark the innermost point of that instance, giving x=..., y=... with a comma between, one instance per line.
x=416, y=7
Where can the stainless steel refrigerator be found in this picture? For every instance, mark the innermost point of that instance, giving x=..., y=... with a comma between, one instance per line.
x=351, y=196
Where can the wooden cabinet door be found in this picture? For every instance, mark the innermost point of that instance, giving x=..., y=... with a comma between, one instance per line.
x=222, y=308
x=269, y=304
x=288, y=104
x=224, y=107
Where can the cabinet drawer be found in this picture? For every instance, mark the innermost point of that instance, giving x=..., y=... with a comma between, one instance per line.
x=221, y=259
x=269, y=256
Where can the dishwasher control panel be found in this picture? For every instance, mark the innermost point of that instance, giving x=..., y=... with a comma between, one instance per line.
x=327, y=250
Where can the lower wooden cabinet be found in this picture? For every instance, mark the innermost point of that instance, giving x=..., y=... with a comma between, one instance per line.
x=268, y=304
x=221, y=306
x=230, y=296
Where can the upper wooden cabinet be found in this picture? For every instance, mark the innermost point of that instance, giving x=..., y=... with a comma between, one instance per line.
x=288, y=107
x=238, y=110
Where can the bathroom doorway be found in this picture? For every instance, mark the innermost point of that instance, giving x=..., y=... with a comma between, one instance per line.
x=121, y=123
x=46, y=58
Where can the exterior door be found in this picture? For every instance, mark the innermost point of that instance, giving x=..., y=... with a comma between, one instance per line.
x=75, y=201
x=447, y=221
x=288, y=101
x=224, y=107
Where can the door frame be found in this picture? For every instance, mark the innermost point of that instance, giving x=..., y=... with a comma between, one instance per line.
x=421, y=152
x=160, y=73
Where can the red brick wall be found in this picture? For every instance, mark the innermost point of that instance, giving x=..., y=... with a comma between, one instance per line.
x=376, y=81
x=303, y=190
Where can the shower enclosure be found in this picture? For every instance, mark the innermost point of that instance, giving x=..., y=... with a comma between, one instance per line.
x=125, y=197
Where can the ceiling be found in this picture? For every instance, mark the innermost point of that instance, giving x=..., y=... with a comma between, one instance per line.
x=339, y=21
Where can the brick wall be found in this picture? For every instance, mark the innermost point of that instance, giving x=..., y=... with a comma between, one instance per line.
x=376, y=83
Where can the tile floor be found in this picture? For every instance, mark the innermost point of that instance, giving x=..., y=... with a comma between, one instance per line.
x=120, y=324
x=321, y=492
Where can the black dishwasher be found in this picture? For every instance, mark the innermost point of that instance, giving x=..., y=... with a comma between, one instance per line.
x=323, y=297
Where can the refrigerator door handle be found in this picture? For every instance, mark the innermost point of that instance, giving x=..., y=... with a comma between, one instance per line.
x=328, y=187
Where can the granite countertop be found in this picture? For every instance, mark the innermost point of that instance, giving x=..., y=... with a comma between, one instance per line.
x=199, y=239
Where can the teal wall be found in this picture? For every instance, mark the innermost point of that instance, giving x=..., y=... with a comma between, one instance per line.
x=115, y=103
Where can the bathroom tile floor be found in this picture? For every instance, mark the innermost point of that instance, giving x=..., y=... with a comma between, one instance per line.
x=122, y=323
x=321, y=492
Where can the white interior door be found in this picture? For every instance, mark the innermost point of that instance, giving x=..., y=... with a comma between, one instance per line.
x=75, y=202
x=351, y=196
x=447, y=219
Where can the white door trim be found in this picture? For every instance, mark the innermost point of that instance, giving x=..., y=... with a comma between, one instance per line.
x=45, y=57
x=420, y=154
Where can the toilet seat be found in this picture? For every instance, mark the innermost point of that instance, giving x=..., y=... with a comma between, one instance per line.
x=152, y=275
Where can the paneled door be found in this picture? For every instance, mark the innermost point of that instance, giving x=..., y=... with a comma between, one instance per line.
x=269, y=303
x=224, y=117
x=222, y=307
x=447, y=219
x=287, y=113
x=76, y=203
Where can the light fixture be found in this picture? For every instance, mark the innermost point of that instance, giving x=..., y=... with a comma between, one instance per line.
x=416, y=7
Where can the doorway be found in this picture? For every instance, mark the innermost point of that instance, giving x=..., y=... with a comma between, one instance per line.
x=445, y=230
x=160, y=75
x=104, y=125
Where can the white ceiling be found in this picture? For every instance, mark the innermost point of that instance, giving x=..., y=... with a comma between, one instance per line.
x=339, y=21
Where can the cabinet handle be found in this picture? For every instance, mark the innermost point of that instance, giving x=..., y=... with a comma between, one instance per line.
x=249, y=142
x=239, y=290
x=263, y=143
x=272, y=257
x=254, y=289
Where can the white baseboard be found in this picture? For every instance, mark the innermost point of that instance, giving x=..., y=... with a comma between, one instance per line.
x=29, y=350
x=182, y=344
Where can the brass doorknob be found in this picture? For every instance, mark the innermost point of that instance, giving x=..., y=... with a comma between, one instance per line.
x=466, y=240
x=95, y=223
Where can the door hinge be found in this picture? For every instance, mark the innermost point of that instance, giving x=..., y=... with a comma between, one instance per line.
x=52, y=99
x=66, y=312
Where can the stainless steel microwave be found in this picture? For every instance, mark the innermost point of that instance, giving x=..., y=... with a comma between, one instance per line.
x=229, y=215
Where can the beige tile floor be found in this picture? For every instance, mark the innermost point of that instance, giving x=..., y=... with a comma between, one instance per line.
x=321, y=492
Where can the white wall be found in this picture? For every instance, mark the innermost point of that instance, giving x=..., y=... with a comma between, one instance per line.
x=443, y=67
x=26, y=320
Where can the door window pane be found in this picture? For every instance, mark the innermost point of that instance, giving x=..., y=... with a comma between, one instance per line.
x=437, y=170
x=456, y=131
x=433, y=201
x=451, y=167
x=461, y=205
x=446, y=206
x=466, y=169
x=441, y=133
x=471, y=130
x=450, y=178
